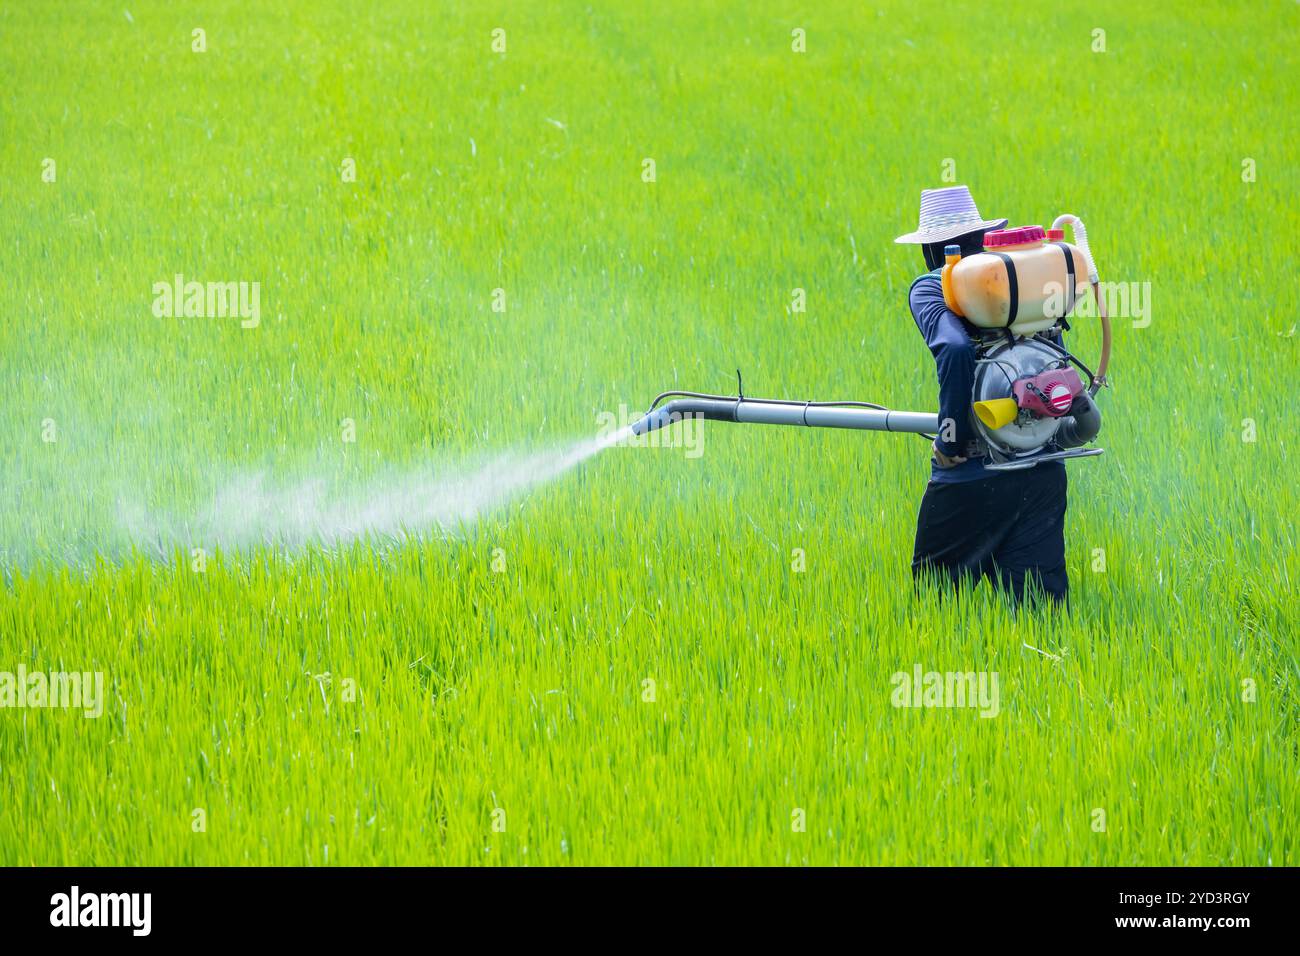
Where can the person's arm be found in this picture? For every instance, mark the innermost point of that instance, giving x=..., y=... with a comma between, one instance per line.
x=954, y=360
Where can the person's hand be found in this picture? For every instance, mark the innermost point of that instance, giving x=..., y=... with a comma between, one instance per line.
x=945, y=461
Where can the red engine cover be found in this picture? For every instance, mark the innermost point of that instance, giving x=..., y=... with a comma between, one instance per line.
x=1049, y=393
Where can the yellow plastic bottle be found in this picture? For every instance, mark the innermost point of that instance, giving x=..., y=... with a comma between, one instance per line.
x=1020, y=281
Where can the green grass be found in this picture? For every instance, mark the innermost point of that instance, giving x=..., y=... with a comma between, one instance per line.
x=522, y=690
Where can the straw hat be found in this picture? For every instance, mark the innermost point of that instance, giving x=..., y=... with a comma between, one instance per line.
x=946, y=214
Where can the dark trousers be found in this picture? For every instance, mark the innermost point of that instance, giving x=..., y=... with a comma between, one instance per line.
x=1009, y=528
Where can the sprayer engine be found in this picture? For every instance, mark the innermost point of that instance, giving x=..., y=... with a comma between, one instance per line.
x=1027, y=397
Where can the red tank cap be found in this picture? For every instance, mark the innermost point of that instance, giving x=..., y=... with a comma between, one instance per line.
x=1013, y=237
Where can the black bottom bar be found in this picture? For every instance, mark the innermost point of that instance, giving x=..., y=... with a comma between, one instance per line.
x=553, y=907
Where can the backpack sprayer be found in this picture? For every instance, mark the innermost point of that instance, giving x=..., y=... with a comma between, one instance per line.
x=1029, y=403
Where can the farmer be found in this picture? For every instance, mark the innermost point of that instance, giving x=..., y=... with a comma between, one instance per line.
x=1008, y=526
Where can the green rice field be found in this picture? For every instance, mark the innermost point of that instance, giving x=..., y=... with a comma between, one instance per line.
x=355, y=599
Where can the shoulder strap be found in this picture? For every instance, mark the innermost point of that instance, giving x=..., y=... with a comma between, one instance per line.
x=1013, y=287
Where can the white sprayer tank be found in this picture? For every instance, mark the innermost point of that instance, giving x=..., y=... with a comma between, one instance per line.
x=1022, y=281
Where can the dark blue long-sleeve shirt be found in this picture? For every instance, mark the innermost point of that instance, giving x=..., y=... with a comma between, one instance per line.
x=954, y=359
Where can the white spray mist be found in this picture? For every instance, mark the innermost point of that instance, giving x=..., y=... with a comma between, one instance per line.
x=251, y=510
